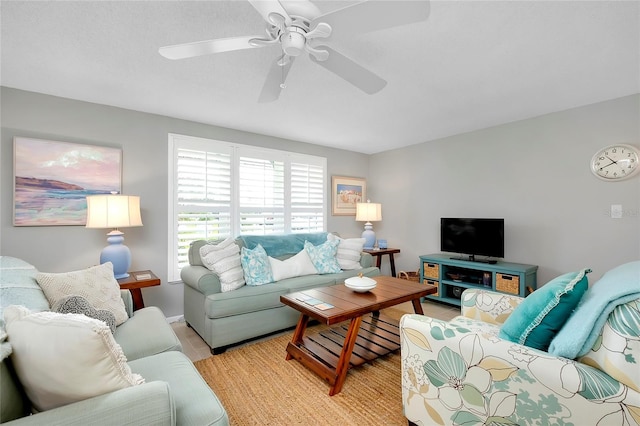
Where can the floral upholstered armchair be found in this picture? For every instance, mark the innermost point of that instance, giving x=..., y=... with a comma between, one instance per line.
x=461, y=373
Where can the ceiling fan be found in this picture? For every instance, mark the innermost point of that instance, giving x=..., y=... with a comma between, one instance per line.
x=297, y=26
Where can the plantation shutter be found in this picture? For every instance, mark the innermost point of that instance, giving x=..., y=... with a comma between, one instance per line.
x=261, y=193
x=307, y=197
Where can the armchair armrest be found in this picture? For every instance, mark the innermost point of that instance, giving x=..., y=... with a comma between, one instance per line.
x=201, y=279
x=488, y=306
x=147, y=404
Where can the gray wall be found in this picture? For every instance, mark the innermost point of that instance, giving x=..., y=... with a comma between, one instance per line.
x=143, y=139
x=533, y=173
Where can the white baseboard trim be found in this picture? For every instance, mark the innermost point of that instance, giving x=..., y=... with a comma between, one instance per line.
x=177, y=318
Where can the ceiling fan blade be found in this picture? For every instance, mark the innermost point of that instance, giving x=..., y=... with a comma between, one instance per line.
x=374, y=15
x=267, y=7
x=276, y=77
x=199, y=48
x=354, y=73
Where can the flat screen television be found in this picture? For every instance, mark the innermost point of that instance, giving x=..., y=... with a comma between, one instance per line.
x=472, y=236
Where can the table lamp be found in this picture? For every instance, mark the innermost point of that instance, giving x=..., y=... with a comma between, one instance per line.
x=368, y=212
x=114, y=211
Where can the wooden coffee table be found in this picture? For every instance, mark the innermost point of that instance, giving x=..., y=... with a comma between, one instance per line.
x=368, y=336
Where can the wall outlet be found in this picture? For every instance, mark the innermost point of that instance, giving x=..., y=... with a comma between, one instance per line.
x=616, y=211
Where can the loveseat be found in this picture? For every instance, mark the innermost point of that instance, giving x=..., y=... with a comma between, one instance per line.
x=173, y=391
x=462, y=371
x=226, y=318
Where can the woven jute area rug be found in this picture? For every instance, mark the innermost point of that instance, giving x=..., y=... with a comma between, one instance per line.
x=257, y=386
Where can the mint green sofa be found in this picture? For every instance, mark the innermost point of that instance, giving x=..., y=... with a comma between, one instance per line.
x=174, y=392
x=225, y=319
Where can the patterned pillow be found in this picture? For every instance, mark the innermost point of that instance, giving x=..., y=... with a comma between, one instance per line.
x=256, y=266
x=96, y=284
x=79, y=305
x=224, y=260
x=536, y=320
x=324, y=256
x=349, y=251
x=64, y=358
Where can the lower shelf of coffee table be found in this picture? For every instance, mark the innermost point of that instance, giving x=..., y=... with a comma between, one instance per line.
x=378, y=336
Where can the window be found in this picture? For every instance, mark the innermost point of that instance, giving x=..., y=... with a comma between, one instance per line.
x=219, y=189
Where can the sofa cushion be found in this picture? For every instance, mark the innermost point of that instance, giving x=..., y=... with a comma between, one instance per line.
x=536, y=320
x=349, y=251
x=18, y=286
x=323, y=256
x=146, y=333
x=79, y=305
x=195, y=402
x=256, y=266
x=63, y=358
x=295, y=266
x=224, y=260
x=97, y=284
x=245, y=299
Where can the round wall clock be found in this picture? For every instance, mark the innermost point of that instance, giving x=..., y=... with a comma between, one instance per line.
x=616, y=162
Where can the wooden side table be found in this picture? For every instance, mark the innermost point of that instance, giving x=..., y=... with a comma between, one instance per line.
x=134, y=282
x=378, y=255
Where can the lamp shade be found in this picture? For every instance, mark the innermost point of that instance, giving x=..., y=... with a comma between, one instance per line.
x=368, y=212
x=113, y=211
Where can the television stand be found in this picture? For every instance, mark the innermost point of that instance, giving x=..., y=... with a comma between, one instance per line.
x=454, y=275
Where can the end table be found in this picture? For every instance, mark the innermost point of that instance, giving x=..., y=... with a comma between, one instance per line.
x=134, y=282
x=378, y=255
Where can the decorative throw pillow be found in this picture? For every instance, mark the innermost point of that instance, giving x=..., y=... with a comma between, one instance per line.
x=349, y=251
x=80, y=305
x=224, y=260
x=536, y=320
x=256, y=266
x=96, y=284
x=295, y=266
x=324, y=256
x=64, y=358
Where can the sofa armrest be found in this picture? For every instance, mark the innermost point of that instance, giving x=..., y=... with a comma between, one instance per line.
x=128, y=302
x=488, y=306
x=201, y=279
x=460, y=372
x=147, y=404
x=366, y=260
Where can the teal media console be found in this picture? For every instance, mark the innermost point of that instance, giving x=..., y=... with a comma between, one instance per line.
x=452, y=276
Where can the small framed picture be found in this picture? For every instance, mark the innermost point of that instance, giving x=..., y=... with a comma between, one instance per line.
x=345, y=193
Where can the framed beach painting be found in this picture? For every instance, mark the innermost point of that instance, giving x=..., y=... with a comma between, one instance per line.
x=345, y=193
x=52, y=180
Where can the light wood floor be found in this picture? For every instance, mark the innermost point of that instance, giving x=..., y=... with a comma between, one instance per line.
x=196, y=349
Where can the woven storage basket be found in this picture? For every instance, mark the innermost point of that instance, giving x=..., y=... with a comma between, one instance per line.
x=508, y=283
x=409, y=276
x=431, y=270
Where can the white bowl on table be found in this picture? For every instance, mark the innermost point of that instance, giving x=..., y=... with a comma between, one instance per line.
x=360, y=284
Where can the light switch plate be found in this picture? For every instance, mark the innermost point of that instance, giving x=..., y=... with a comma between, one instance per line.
x=616, y=211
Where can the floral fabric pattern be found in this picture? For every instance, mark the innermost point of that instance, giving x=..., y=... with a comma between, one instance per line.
x=323, y=256
x=256, y=266
x=460, y=373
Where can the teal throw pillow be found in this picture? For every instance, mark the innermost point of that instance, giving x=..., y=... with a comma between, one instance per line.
x=539, y=317
x=323, y=256
x=256, y=266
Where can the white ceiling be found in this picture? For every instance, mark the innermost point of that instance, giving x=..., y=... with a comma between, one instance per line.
x=471, y=65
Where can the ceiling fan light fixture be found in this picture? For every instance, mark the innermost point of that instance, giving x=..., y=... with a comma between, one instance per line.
x=293, y=41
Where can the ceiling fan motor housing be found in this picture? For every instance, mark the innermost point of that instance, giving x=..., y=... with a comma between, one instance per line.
x=293, y=41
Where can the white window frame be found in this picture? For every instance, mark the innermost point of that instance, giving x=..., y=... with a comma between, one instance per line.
x=177, y=141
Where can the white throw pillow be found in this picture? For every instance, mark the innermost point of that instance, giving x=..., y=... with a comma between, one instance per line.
x=64, y=358
x=349, y=251
x=295, y=266
x=96, y=284
x=224, y=260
